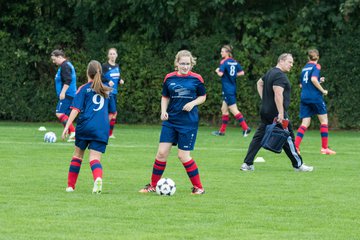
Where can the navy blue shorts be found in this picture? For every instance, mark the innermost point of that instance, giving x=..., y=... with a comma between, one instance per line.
x=183, y=137
x=63, y=106
x=91, y=144
x=229, y=99
x=113, y=98
x=311, y=109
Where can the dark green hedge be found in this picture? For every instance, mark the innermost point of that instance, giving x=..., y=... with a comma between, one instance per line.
x=148, y=34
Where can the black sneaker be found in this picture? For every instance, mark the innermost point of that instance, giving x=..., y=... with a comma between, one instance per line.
x=246, y=132
x=218, y=133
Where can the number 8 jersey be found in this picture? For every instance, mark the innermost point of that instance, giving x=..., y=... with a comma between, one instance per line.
x=230, y=67
x=93, y=122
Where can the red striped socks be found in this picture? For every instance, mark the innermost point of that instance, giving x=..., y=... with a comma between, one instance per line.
x=193, y=173
x=158, y=170
x=74, y=170
x=242, y=121
x=96, y=169
x=299, y=136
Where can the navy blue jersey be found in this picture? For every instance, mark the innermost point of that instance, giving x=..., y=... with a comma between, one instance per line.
x=111, y=73
x=66, y=75
x=93, y=122
x=182, y=89
x=309, y=93
x=229, y=67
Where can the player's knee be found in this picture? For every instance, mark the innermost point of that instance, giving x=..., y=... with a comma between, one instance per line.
x=225, y=110
x=161, y=155
x=183, y=157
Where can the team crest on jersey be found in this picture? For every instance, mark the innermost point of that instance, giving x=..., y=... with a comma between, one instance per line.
x=181, y=91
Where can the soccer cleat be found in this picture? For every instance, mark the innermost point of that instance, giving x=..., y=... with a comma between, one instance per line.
x=197, y=191
x=112, y=136
x=69, y=189
x=304, y=168
x=246, y=132
x=97, y=186
x=218, y=133
x=71, y=137
x=245, y=167
x=327, y=151
x=147, y=188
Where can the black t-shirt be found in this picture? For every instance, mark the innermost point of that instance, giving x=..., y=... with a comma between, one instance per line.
x=274, y=77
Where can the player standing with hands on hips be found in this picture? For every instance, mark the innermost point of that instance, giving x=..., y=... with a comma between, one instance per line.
x=274, y=90
x=92, y=130
x=111, y=77
x=65, y=84
x=229, y=70
x=312, y=101
x=183, y=90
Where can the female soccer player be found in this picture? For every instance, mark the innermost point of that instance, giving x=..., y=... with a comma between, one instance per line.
x=312, y=101
x=183, y=90
x=229, y=70
x=111, y=76
x=65, y=84
x=92, y=130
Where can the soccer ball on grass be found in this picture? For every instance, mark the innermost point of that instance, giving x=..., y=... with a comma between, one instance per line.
x=165, y=187
x=50, y=137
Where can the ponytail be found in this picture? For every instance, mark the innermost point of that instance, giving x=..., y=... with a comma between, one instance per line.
x=313, y=54
x=94, y=72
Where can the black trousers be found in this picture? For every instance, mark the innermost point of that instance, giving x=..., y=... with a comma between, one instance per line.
x=289, y=147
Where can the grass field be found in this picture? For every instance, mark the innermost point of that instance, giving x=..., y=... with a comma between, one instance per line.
x=274, y=202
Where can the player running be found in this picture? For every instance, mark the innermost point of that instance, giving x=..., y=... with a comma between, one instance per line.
x=312, y=101
x=229, y=70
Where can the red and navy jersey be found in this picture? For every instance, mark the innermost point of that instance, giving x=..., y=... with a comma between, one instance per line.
x=309, y=93
x=229, y=67
x=66, y=74
x=93, y=122
x=182, y=89
x=111, y=73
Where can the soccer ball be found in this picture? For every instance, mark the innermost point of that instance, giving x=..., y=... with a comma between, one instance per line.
x=165, y=187
x=50, y=137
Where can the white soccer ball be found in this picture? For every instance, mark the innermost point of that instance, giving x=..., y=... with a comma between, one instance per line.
x=50, y=137
x=165, y=187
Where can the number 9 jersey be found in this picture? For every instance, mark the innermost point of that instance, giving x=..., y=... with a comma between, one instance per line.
x=93, y=122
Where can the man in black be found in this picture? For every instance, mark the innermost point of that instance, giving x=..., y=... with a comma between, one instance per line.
x=274, y=90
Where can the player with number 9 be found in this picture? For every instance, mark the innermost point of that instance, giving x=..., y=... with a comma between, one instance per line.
x=92, y=129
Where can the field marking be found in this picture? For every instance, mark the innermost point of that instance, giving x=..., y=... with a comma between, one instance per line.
x=155, y=146
x=65, y=144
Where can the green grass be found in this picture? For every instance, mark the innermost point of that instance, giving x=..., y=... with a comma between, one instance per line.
x=274, y=202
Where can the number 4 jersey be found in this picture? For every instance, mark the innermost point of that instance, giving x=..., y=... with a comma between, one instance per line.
x=93, y=122
x=230, y=67
x=309, y=93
